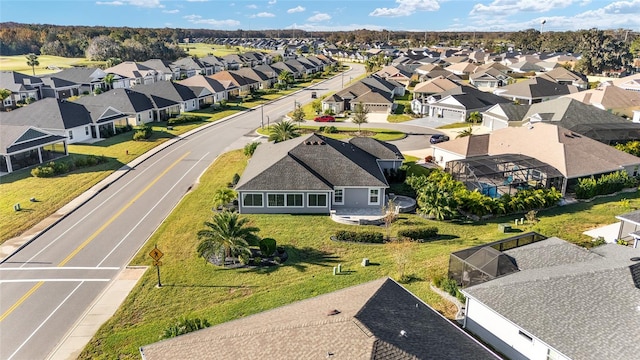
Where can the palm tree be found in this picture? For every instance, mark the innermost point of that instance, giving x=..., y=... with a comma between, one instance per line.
x=108, y=80
x=474, y=117
x=32, y=60
x=285, y=77
x=466, y=132
x=282, y=131
x=223, y=196
x=360, y=115
x=227, y=234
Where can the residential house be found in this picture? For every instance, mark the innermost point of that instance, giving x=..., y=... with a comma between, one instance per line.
x=463, y=69
x=264, y=81
x=82, y=80
x=136, y=107
x=164, y=70
x=525, y=67
x=130, y=74
x=457, y=104
x=488, y=79
x=217, y=89
x=567, y=77
x=563, y=302
x=24, y=88
x=23, y=146
x=171, y=98
x=574, y=156
x=396, y=73
x=57, y=117
x=373, y=95
x=283, y=66
x=375, y=320
x=302, y=68
x=212, y=61
x=323, y=175
x=422, y=91
x=192, y=66
x=235, y=61
x=631, y=82
x=610, y=98
x=241, y=85
x=503, y=115
x=535, y=90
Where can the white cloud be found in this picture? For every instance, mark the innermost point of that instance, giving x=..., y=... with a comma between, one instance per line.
x=296, y=9
x=197, y=19
x=138, y=3
x=263, y=15
x=508, y=7
x=406, y=8
x=171, y=11
x=319, y=17
x=324, y=27
x=252, y=6
x=271, y=2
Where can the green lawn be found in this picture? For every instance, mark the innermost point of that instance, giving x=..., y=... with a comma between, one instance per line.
x=54, y=193
x=201, y=49
x=348, y=132
x=47, y=65
x=194, y=288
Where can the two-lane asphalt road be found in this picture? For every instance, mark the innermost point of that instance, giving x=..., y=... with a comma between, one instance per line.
x=47, y=286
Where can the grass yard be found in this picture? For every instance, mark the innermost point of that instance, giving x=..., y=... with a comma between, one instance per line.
x=194, y=288
x=345, y=133
x=201, y=49
x=48, y=64
x=54, y=193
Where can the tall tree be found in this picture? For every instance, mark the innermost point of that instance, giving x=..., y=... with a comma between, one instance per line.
x=601, y=52
x=360, y=114
x=32, y=60
x=282, y=131
x=227, y=234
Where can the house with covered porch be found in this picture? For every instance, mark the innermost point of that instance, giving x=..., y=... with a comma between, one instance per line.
x=319, y=175
x=22, y=146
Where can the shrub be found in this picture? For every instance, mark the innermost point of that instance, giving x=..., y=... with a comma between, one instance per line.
x=330, y=130
x=142, y=133
x=250, y=148
x=364, y=237
x=184, y=326
x=42, y=172
x=604, y=185
x=183, y=119
x=417, y=234
x=267, y=246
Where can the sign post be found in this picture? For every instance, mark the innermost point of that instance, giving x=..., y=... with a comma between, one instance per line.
x=156, y=255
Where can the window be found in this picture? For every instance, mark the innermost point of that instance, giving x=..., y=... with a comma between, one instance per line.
x=338, y=196
x=374, y=196
x=276, y=200
x=252, y=200
x=317, y=200
x=70, y=134
x=524, y=335
x=86, y=130
x=553, y=355
x=294, y=200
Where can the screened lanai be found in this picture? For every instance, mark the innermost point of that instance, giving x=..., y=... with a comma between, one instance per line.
x=496, y=175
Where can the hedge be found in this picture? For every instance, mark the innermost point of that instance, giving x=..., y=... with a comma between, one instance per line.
x=182, y=119
x=54, y=168
x=421, y=233
x=364, y=237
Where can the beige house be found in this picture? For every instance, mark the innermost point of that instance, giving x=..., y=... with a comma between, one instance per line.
x=611, y=98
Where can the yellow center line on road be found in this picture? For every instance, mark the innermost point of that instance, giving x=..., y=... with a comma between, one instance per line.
x=93, y=236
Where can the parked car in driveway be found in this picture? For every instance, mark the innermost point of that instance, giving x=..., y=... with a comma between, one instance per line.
x=438, y=138
x=324, y=118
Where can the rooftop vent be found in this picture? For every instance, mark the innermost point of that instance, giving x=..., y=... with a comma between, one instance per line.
x=333, y=312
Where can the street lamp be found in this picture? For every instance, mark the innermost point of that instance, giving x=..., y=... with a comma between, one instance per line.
x=262, y=116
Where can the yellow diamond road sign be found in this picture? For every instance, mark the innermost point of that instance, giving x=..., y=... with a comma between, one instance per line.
x=156, y=254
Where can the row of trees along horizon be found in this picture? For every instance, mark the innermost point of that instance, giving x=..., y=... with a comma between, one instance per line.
x=600, y=49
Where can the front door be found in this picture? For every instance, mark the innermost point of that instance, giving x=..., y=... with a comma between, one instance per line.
x=93, y=132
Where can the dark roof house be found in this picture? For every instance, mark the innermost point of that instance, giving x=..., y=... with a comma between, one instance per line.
x=375, y=320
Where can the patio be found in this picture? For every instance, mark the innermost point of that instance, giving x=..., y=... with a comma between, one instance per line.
x=371, y=216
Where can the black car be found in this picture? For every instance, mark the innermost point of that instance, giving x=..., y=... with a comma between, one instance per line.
x=438, y=138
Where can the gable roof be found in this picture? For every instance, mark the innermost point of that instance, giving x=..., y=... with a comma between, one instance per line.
x=15, y=81
x=359, y=322
x=471, y=98
x=561, y=74
x=608, y=97
x=312, y=162
x=125, y=100
x=435, y=85
x=509, y=111
x=78, y=75
x=573, y=155
x=16, y=138
x=166, y=93
x=130, y=69
x=536, y=88
x=571, y=298
x=49, y=114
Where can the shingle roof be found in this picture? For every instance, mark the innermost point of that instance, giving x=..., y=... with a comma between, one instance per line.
x=536, y=88
x=16, y=81
x=49, y=114
x=367, y=326
x=167, y=93
x=212, y=85
x=79, y=75
x=579, y=302
x=15, y=138
x=311, y=162
x=379, y=149
x=125, y=100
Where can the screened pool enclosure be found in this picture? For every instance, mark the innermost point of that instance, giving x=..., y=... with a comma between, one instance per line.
x=504, y=174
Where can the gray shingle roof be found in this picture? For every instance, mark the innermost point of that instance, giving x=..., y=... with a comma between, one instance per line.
x=582, y=303
x=14, y=138
x=311, y=162
x=368, y=326
x=536, y=88
x=49, y=114
x=79, y=75
x=16, y=81
x=125, y=100
x=166, y=93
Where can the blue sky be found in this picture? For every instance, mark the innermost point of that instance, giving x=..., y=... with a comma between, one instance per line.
x=323, y=15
